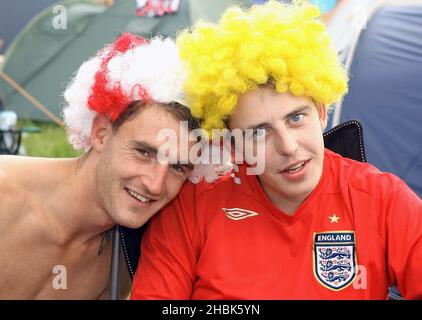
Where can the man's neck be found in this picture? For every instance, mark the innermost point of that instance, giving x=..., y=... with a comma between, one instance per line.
x=287, y=205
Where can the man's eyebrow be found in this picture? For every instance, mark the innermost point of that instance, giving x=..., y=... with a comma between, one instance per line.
x=152, y=149
x=144, y=146
x=259, y=125
x=298, y=109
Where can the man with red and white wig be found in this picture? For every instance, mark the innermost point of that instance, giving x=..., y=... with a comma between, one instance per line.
x=55, y=213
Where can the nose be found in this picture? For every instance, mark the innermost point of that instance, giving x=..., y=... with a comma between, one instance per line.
x=155, y=180
x=286, y=142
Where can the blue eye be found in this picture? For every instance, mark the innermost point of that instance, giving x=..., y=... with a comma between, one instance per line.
x=260, y=132
x=296, y=117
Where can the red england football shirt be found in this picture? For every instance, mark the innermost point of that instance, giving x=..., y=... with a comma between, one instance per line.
x=358, y=233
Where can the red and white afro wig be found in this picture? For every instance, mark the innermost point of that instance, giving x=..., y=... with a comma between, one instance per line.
x=130, y=69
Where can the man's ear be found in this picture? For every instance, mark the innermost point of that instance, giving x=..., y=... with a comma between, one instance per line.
x=323, y=115
x=101, y=131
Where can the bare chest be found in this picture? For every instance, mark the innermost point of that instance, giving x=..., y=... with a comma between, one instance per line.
x=42, y=272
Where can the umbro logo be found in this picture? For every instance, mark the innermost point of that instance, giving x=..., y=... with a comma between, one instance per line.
x=238, y=213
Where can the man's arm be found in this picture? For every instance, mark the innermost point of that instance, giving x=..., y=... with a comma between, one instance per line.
x=404, y=239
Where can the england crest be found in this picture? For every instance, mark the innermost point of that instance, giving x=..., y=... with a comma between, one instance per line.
x=334, y=260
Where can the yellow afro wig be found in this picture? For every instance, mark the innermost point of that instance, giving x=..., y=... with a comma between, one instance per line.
x=285, y=44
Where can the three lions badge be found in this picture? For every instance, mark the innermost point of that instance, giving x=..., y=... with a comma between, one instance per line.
x=334, y=259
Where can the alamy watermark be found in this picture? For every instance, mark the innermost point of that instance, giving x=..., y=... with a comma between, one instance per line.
x=60, y=17
x=60, y=280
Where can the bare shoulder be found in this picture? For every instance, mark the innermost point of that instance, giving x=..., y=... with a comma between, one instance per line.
x=20, y=171
x=20, y=178
x=7, y=163
x=12, y=168
x=11, y=185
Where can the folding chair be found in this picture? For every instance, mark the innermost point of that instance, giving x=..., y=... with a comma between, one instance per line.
x=10, y=137
x=10, y=141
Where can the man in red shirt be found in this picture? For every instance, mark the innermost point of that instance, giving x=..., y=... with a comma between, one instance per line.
x=312, y=225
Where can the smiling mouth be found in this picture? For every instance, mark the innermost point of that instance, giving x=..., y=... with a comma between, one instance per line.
x=137, y=196
x=296, y=167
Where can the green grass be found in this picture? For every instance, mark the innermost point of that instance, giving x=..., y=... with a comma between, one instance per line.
x=50, y=142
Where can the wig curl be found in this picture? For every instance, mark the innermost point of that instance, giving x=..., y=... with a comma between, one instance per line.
x=285, y=44
x=130, y=69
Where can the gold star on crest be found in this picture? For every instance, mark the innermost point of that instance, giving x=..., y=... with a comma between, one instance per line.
x=334, y=218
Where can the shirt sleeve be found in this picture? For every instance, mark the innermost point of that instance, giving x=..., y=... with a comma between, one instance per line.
x=404, y=239
x=169, y=252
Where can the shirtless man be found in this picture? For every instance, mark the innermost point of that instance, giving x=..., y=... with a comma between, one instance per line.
x=55, y=213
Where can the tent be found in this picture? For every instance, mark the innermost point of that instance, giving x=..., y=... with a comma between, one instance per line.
x=385, y=91
x=43, y=57
x=15, y=14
